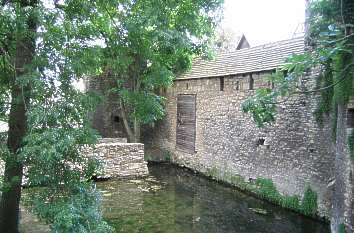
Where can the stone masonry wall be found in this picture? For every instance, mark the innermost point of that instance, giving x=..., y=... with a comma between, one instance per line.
x=106, y=119
x=296, y=151
x=120, y=159
x=343, y=200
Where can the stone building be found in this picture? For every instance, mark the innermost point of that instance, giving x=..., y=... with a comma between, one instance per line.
x=206, y=130
x=106, y=119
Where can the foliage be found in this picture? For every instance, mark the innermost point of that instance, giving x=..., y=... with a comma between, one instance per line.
x=341, y=228
x=155, y=41
x=57, y=114
x=226, y=40
x=79, y=212
x=143, y=44
x=331, y=37
x=309, y=202
x=332, y=56
x=167, y=156
x=261, y=106
x=351, y=144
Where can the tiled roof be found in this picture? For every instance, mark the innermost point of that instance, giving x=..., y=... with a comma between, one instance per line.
x=256, y=59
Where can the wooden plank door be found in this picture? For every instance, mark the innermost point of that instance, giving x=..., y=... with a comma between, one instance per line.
x=186, y=119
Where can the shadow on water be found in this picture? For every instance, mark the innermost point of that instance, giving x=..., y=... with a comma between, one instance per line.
x=174, y=200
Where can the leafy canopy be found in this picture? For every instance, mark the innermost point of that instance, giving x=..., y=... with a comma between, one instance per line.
x=329, y=60
x=142, y=42
x=150, y=44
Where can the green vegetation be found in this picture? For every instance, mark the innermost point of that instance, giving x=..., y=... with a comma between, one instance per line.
x=329, y=62
x=341, y=228
x=47, y=46
x=351, y=144
x=266, y=189
x=167, y=156
x=309, y=202
x=331, y=38
x=152, y=43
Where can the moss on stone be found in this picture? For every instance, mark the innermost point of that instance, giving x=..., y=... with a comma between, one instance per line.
x=266, y=189
x=167, y=156
x=341, y=228
x=351, y=145
x=291, y=202
x=309, y=202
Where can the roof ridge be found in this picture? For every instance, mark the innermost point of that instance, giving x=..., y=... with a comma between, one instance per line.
x=263, y=57
x=263, y=45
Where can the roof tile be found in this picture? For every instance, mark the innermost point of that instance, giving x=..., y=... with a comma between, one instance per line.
x=256, y=59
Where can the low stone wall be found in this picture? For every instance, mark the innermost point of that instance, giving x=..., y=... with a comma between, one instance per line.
x=113, y=140
x=119, y=159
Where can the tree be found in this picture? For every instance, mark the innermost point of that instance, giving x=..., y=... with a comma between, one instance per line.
x=154, y=41
x=226, y=40
x=330, y=56
x=44, y=47
x=42, y=51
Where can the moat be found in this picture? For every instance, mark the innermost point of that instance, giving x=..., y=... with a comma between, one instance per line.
x=175, y=200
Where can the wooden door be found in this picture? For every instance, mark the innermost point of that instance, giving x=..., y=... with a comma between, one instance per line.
x=186, y=118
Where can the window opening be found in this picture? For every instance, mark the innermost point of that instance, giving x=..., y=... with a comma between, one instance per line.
x=350, y=118
x=251, y=82
x=222, y=83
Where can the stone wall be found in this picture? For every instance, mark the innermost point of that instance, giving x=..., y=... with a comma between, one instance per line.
x=106, y=119
x=294, y=152
x=120, y=159
x=343, y=200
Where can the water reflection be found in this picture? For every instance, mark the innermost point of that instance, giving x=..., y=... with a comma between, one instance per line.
x=174, y=200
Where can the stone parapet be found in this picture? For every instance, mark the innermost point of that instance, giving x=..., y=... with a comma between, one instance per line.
x=113, y=140
x=119, y=159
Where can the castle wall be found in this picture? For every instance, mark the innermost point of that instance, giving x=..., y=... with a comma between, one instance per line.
x=294, y=152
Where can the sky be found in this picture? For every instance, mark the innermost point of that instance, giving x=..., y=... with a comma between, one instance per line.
x=264, y=21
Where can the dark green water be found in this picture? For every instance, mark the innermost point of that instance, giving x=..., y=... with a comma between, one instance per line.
x=174, y=200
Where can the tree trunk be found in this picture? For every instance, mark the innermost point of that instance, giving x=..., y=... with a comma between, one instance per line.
x=128, y=130
x=137, y=131
x=10, y=198
x=133, y=134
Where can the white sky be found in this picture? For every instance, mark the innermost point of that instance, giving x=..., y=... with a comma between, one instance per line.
x=264, y=21
x=3, y=126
